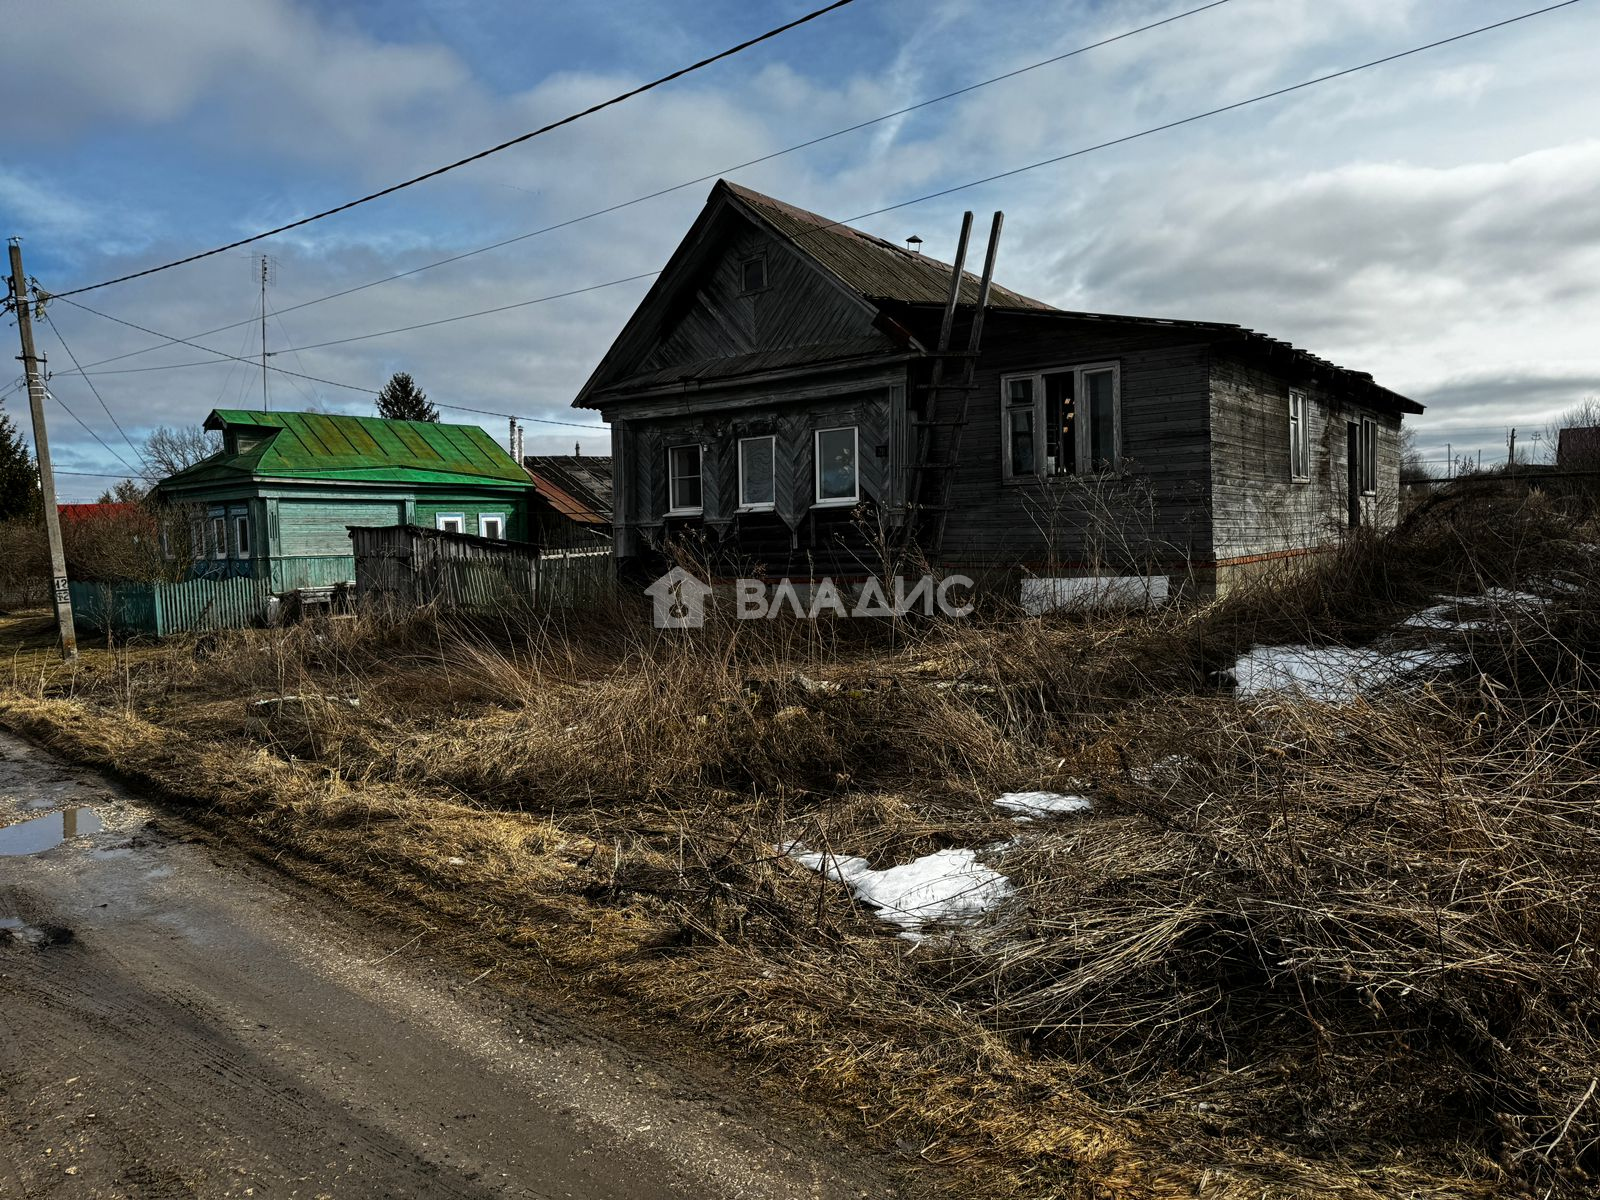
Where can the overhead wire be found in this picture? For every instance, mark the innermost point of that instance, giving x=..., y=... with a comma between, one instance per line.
x=677, y=187
x=472, y=158
x=55, y=329
x=90, y=431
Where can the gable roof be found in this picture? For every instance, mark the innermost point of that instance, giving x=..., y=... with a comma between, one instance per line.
x=334, y=447
x=576, y=486
x=870, y=266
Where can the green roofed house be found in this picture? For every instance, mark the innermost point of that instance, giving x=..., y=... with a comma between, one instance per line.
x=277, y=501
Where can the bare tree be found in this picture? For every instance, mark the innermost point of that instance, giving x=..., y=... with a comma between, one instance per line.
x=1413, y=467
x=170, y=448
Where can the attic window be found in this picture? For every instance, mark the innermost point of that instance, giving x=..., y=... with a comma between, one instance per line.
x=753, y=274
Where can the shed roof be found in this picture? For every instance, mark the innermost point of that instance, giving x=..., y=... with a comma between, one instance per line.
x=576, y=486
x=335, y=447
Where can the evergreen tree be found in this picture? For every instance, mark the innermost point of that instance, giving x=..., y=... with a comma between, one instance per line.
x=402, y=400
x=19, y=479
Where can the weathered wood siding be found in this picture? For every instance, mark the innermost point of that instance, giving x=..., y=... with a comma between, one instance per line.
x=1155, y=509
x=1258, y=510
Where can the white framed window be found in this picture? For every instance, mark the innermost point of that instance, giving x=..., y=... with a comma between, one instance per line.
x=197, y=538
x=450, y=522
x=685, y=495
x=838, y=477
x=1061, y=421
x=757, y=478
x=1367, y=446
x=217, y=531
x=241, y=533
x=1299, y=438
x=492, y=525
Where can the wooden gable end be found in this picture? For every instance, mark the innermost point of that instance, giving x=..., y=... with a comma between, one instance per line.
x=700, y=321
x=717, y=318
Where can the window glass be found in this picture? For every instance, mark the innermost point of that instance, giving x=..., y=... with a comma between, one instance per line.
x=754, y=274
x=451, y=522
x=241, y=536
x=836, y=464
x=492, y=525
x=756, y=484
x=1061, y=442
x=1298, y=448
x=1021, y=439
x=684, y=467
x=1100, y=397
x=219, y=537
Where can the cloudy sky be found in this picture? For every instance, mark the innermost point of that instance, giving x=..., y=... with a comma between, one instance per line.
x=1432, y=221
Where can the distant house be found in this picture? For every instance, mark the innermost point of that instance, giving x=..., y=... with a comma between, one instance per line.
x=1578, y=448
x=277, y=501
x=773, y=392
x=572, y=496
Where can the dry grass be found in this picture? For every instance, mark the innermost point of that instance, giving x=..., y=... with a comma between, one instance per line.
x=1326, y=951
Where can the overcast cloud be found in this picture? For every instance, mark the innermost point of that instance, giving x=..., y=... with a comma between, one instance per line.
x=1431, y=221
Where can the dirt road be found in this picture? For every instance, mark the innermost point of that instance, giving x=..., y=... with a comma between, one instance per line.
x=178, y=1021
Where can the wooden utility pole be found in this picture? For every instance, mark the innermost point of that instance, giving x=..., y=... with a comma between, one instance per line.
x=59, y=590
x=265, y=403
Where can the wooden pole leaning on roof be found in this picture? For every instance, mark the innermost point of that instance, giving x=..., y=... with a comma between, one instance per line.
x=60, y=592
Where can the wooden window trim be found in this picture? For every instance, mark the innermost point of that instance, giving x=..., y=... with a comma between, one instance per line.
x=770, y=505
x=1299, y=437
x=1081, y=460
x=460, y=518
x=1367, y=448
x=744, y=265
x=217, y=533
x=816, y=468
x=242, y=534
x=492, y=516
x=673, y=508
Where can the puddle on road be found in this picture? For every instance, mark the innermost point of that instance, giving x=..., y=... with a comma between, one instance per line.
x=38, y=834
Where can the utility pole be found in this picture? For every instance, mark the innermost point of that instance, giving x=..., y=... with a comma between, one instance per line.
x=1511, y=451
x=265, y=404
x=59, y=590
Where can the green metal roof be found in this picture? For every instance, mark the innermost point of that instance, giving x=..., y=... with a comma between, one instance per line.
x=337, y=448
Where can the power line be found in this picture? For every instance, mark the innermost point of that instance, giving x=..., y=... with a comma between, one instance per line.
x=223, y=356
x=481, y=154
x=89, y=431
x=677, y=187
x=961, y=187
x=56, y=330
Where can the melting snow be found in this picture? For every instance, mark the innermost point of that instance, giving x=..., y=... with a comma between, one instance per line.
x=1029, y=806
x=948, y=886
x=1331, y=674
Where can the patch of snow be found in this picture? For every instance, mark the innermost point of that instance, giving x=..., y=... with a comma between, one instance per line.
x=1164, y=769
x=1029, y=806
x=947, y=886
x=1102, y=591
x=1331, y=674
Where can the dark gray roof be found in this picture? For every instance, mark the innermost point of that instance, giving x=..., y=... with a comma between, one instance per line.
x=877, y=269
x=576, y=486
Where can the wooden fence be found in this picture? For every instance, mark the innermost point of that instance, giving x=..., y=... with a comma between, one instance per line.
x=407, y=566
x=160, y=609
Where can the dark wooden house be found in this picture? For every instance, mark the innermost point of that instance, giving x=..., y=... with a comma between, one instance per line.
x=786, y=394
x=572, y=498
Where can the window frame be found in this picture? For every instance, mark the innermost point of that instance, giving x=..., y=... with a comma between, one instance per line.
x=1367, y=449
x=744, y=265
x=818, y=501
x=217, y=533
x=1083, y=463
x=239, y=527
x=749, y=506
x=492, y=516
x=1299, y=437
x=674, y=509
x=460, y=518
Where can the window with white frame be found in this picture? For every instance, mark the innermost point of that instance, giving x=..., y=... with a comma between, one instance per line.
x=450, y=522
x=219, y=535
x=838, y=480
x=685, y=495
x=197, y=538
x=1367, y=446
x=1062, y=421
x=240, y=519
x=1299, y=438
x=757, y=482
x=492, y=525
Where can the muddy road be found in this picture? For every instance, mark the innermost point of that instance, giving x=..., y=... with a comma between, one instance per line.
x=176, y=1020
